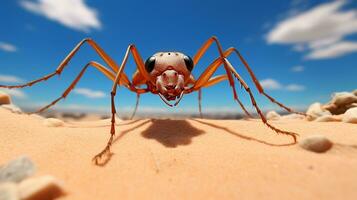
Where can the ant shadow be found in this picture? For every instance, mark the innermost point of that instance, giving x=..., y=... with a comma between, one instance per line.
x=171, y=133
x=243, y=136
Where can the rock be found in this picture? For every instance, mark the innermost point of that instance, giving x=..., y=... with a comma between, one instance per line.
x=293, y=116
x=352, y=105
x=343, y=98
x=329, y=118
x=43, y=188
x=350, y=116
x=316, y=143
x=8, y=191
x=337, y=110
x=315, y=110
x=17, y=170
x=333, y=108
x=272, y=115
x=12, y=108
x=341, y=102
x=4, y=98
x=354, y=92
x=53, y=122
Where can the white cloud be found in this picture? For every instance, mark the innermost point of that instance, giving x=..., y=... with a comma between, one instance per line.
x=74, y=14
x=333, y=51
x=320, y=28
x=89, y=93
x=323, y=42
x=299, y=47
x=272, y=84
x=298, y=68
x=295, y=87
x=7, y=47
x=14, y=93
x=10, y=79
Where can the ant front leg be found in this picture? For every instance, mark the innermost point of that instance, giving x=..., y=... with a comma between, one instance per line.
x=97, y=159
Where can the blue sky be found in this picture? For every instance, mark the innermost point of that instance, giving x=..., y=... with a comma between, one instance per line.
x=301, y=50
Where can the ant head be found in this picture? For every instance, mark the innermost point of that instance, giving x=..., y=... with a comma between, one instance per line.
x=170, y=70
x=157, y=63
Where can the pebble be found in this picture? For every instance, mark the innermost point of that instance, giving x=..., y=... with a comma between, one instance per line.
x=272, y=115
x=315, y=110
x=4, y=98
x=12, y=108
x=53, y=122
x=8, y=191
x=350, y=116
x=43, y=188
x=17, y=170
x=316, y=143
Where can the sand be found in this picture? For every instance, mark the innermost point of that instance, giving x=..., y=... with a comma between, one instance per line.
x=187, y=159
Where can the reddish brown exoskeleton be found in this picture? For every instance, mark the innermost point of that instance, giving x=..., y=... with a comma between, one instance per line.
x=167, y=74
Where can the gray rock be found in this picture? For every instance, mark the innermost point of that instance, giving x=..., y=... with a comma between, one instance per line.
x=316, y=143
x=17, y=170
x=350, y=116
x=8, y=191
x=44, y=188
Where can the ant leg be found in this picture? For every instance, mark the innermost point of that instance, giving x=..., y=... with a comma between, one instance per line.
x=229, y=51
x=63, y=64
x=191, y=80
x=217, y=79
x=136, y=106
x=98, y=66
x=239, y=78
x=200, y=102
x=141, y=68
x=205, y=76
x=203, y=50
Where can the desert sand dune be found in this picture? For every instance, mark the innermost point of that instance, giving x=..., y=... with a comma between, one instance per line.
x=187, y=159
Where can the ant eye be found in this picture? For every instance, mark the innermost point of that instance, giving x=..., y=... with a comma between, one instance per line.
x=150, y=64
x=188, y=62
